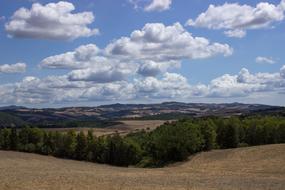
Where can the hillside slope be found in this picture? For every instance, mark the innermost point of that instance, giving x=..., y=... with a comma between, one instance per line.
x=7, y=120
x=260, y=167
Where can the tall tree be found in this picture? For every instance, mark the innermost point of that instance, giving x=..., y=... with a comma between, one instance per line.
x=24, y=134
x=231, y=136
x=1, y=139
x=6, y=138
x=81, y=146
x=58, y=143
x=91, y=151
x=281, y=132
x=48, y=146
x=209, y=134
x=14, y=139
x=69, y=144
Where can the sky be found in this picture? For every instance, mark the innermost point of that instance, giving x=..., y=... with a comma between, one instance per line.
x=94, y=52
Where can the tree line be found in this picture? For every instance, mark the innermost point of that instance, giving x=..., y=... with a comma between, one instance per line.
x=168, y=143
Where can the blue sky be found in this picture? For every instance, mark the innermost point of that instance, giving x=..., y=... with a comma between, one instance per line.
x=239, y=58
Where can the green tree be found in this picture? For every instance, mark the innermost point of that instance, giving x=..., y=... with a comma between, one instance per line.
x=228, y=133
x=81, y=147
x=24, y=134
x=1, y=139
x=209, y=135
x=250, y=137
x=14, y=139
x=174, y=142
x=58, y=143
x=36, y=136
x=6, y=133
x=100, y=151
x=221, y=133
x=120, y=152
x=48, y=147
x=31, y=139
x=90, y=146
x=281, y=132
x=231, y=136
x=69, y=144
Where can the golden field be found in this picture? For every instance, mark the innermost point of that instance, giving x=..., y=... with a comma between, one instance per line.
x=258, y=168
x=126, y=126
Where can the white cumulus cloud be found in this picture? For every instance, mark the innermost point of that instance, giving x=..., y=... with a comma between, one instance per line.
x=151, y=51
x=245, y=84
x=168, y=86
x=88, y=63
x=261, y=59
x=282, y=72
x=151, y=68
x=77, y=59
x=236, y=33
x=236, y=18
x=171, y=85
x=158, y=42
x=158, y=5
x=51, y=21
x=13, y=68
x=106, y=72
x=151, y=5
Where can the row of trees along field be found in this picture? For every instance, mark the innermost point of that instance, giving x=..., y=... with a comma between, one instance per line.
x=168, y=143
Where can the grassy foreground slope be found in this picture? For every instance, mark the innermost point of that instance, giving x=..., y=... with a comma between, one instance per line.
x=259, y=167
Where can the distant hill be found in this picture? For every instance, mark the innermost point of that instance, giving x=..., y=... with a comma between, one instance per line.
x=8, y=120
x=101, y=116
x=12, y=107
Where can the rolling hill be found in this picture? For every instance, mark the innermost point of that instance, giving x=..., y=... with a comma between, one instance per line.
x=102, y=116
x=251, y=168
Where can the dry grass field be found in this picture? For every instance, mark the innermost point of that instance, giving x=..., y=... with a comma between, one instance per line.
x=252, y=168
x=126, y=127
